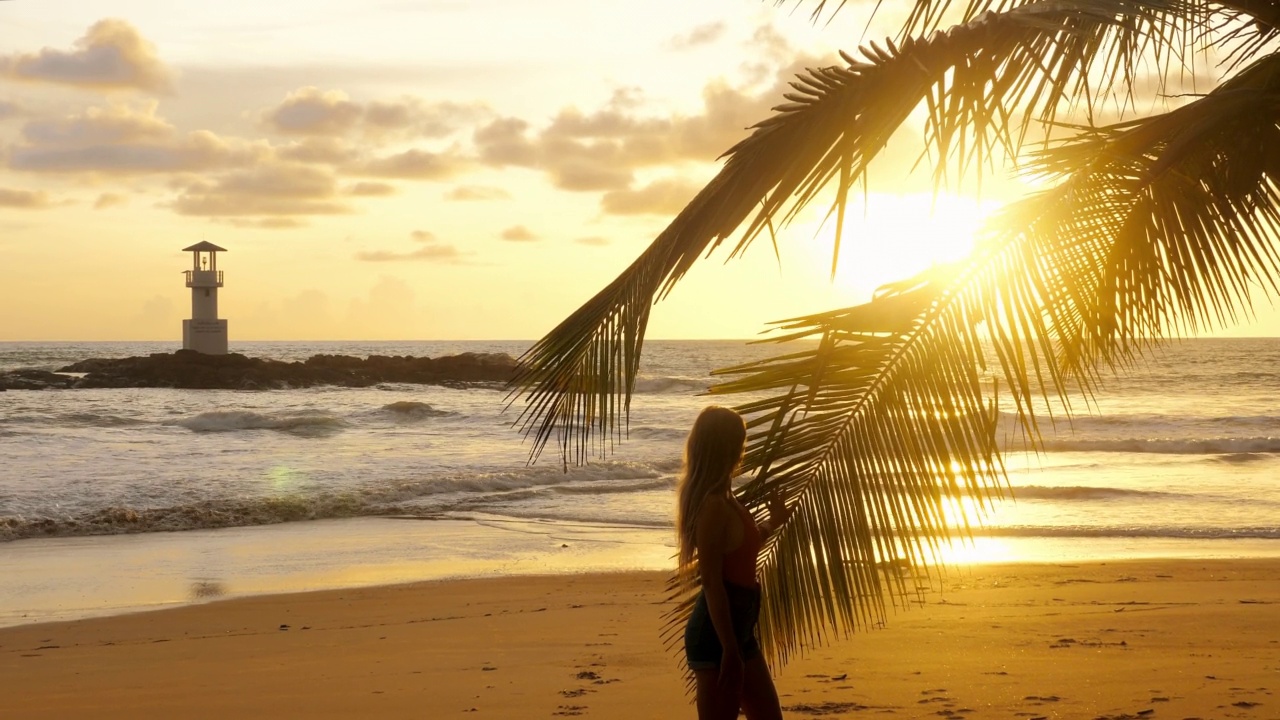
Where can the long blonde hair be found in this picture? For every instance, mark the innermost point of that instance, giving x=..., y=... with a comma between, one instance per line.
x=711, y=455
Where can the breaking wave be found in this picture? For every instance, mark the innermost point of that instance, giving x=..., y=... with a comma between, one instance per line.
x=671, y=385
x=645, y=432
x=411, y=410
x=1195, y=446
x=1083, y=492
x=1172, y=532
x=234, y=420
x=431, y=495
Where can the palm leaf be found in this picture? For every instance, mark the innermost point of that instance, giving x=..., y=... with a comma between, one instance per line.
x=1155, y=226
x=879, y=432
x=576, y=382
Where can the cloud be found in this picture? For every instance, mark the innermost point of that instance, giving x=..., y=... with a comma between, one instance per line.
x=389, y=309
x=503, y=142
x=125, y=139
x=701, y=35
x=309, y=111
x=114, y=125
x=332, y=113
x=413, y=165
x=601, y=149
x=662, y=197
x=371, y=189
x=442, y=253
x=198, y=151
x=275, y=189
x=112, y=54
x=413, y=116
x=518, y=233
x=159, y=314
x=271, y=223
x=430, y=250
x=572, y=164
x=109, y=200
x=24, y=199
x=319, y=150
x=9, y=109
x=593, y=241
x=464, y=193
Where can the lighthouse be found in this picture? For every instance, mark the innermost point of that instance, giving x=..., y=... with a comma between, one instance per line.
x=204, y=332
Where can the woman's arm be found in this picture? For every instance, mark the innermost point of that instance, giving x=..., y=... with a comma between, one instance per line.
x=711, y=529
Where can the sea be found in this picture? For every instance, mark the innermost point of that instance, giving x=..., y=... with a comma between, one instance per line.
x=1177, y=457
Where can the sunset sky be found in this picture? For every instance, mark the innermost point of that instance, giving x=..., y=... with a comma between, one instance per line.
x=410, y=169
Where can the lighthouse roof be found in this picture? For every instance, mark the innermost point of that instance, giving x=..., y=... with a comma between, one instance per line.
x=203, y=246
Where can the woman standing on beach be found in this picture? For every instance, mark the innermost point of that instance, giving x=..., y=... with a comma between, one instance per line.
x=719, y=540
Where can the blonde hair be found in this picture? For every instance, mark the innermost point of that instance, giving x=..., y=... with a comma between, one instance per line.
x=711, y=455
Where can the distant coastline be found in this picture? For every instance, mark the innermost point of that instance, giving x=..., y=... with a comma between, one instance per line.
x=187, y=369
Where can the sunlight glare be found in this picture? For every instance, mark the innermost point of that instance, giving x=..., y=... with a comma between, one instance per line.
x=899, y=236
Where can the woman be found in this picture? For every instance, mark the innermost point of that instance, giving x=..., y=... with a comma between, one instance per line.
x=719, y=541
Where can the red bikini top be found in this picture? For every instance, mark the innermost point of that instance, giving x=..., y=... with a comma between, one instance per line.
x=740, y=563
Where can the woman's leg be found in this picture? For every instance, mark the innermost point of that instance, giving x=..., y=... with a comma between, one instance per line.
x=714, y=702
x=759, y=698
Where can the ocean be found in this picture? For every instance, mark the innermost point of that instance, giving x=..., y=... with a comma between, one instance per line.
x=1178, y=458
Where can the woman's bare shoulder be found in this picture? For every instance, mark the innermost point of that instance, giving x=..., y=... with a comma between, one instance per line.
x=713, y=512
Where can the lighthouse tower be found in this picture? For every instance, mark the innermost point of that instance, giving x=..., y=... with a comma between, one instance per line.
x=204, y=332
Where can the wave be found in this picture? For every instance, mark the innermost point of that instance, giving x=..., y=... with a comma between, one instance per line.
x=539, y=477
x=79, y=419
x=1240, y=458
x=1170, y=532
x=645, y=432
x=1082, y=492
x=671, y=384
x=204, y=515
x=98, y=420
x=234, y=420
x=661, y=483
x=411, y=410
x=1192, y=446
x=440, y=493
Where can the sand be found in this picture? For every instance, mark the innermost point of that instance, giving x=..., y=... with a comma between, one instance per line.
x=1141, y=639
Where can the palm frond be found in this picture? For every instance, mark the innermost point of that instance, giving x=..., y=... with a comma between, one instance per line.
x=576, y=381
x=879, y=433
x=1245, y=29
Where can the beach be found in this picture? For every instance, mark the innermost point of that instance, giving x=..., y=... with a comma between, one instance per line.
x=386, y=552
x=1129, y=639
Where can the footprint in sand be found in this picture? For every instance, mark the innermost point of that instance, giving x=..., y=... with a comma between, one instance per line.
x=826, y=708
x=574, y=693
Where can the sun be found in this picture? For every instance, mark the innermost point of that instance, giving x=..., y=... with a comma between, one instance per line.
x=897, y=236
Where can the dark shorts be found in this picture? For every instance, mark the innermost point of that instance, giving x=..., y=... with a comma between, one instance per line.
x=701, y=644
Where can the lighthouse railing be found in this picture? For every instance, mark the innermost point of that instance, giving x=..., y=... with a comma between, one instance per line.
x=203, y=278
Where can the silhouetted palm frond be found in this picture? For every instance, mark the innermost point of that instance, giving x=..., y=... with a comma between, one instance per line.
x=576, y=381
x=884, y=435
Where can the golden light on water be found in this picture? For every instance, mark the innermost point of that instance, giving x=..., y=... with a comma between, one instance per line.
x=283, y=477
x=977, y=551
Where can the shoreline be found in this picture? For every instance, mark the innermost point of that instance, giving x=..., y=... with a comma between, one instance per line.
x=70, y=578
x=1131, y=639
x=56, y=579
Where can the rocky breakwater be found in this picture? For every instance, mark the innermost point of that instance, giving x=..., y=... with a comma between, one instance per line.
x=189, y=369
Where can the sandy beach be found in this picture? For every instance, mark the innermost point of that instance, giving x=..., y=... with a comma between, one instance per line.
x=1134, y=639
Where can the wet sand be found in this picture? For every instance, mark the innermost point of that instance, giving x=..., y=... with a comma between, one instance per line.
x=1118, y=640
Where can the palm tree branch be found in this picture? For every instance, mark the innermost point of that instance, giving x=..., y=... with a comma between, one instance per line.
x=576, y=382
x=1199, y=254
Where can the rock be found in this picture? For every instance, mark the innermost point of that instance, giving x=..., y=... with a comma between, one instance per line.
x=30, y=379
x=193, y=370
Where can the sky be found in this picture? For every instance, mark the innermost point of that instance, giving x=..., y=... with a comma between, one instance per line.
x=413, y=169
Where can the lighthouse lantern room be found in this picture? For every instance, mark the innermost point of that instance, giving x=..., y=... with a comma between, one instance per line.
x=204, y=332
